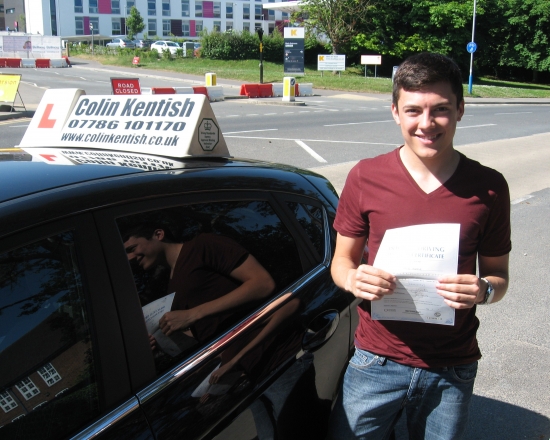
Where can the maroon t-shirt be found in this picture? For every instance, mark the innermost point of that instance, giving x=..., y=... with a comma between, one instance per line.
x=202, y=274
x=380, y=194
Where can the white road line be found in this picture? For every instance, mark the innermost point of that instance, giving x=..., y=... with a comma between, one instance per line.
x=358, y=123
x=232, y=116
x=521, y=199
x=250, y=131
x=515, y=113
x=18, y=126
x=476, y=126
x=313, y=140
x=310, y=151
x=252, y=114
x=269, y=114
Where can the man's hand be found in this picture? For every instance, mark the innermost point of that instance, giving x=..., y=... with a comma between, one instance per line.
x=176, y=320
x=152, y=342
x=369, y=283
x=461, y=291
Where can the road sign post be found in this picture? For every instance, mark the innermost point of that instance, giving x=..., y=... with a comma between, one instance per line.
x=471, y=48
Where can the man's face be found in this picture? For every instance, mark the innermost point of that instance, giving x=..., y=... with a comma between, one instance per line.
x=428, y=119
x=146, y=252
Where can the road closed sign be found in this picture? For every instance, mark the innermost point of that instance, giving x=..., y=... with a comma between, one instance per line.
x=125, y=86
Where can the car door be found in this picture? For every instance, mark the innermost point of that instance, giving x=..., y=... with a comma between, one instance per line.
x=62, y=358
x=256, y=364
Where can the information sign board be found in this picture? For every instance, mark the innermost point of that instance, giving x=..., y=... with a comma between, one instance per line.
x=9, y=84
x=331, y=62
x=371, y=59
x=294, y=50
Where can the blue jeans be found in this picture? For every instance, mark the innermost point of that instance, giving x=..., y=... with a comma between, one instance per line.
x=376, y=390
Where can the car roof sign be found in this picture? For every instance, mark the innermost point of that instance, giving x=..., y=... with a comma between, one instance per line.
x=165, y=125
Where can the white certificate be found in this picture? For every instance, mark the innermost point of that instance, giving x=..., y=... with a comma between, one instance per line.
x=417, y=255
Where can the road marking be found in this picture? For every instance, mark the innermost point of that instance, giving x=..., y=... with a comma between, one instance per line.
x=18, y=126
x=11, y=121
x=314, y=140
x=252, y=114
x=252, y=131
x=310, y=151
x=515, y=113
x=476, y=126
x=358, y=123
x=521, y=199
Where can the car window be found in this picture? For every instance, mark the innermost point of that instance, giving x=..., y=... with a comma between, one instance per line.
x=172, y=44
x=311, y=219
x=48, y=382
x=216, y=240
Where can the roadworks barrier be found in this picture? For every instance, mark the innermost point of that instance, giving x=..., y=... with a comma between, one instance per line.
x=35, y=63
x=213, y=93
x=304, y=89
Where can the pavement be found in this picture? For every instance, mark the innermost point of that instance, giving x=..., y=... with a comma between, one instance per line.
x=512, y=391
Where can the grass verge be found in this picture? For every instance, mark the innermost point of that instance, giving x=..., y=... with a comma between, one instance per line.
x=352, y=80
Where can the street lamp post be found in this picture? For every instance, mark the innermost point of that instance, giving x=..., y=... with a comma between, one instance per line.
x=472, y=48
x=92, y=31
x=260, y=36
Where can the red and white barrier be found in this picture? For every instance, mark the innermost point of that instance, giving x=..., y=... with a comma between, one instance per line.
x=35, y=63
x=214, y=93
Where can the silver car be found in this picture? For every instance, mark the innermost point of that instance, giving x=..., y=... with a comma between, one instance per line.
x=122, y=43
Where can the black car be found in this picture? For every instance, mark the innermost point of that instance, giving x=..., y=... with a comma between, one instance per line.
x=76, y=360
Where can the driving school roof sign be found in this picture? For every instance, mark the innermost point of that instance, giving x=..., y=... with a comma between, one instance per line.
x=164, y=125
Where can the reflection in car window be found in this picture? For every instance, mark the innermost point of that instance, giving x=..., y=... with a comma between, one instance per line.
x=311, y=219
x=229, y=258
x=47, y=380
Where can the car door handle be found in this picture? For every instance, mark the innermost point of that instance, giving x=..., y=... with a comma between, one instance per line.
x=320, y=329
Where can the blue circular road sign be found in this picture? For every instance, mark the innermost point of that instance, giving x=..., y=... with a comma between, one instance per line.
x=471, y=47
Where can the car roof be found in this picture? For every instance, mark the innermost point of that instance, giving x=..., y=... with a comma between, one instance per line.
x=53, y=172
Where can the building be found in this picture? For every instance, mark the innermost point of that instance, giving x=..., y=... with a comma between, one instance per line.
x=162, y=18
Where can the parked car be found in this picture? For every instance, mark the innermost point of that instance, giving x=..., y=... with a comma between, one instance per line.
x=143, y=43
x=161, y=45
x=122, y=43
x=79, y=300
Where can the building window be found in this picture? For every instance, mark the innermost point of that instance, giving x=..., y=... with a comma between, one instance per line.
x=79, y=26
x=10, y=11
x=151, y=8
x=166, y=29
x=198, y=26
x=198, y=9
x=93, y=7
x=49, y=374
x=129, y=5
x=115, y=26
x=27, y=388
x=152, y=27
x=228, y=26
x=185, y=8
x=246, y=11
x=246, y=26
x=185, y=28
x=285, y=14
x=271, y=12
x=7, y=402
x=78, y=7
x=229, y=10
x=217, y=10
x=115, y=6
x=258, y=12
x=166, y=8
x=217, y=26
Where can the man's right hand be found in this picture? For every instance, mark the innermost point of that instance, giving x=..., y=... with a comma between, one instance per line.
x=370, y=283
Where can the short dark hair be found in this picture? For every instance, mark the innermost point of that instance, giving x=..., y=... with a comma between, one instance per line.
x=147, y=230
x=423, y=69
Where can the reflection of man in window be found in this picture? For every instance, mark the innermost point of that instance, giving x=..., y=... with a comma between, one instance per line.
x=213, y=278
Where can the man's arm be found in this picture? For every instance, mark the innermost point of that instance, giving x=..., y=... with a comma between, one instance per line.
x=257, y=284
x=464, y=291
x=361, y=280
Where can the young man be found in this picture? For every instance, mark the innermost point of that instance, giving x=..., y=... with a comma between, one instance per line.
x=426, y=369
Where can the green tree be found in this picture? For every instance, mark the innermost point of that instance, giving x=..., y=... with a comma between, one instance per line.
x=134, y=23
x=339, y=20
x=526, y=42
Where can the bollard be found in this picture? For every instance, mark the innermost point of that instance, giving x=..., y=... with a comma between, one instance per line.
x=289, y=88
x=210, y=79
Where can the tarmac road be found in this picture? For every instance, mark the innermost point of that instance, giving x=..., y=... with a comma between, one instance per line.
x=512, y=391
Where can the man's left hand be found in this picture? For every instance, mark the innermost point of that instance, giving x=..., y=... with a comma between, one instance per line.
x=460, y=291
